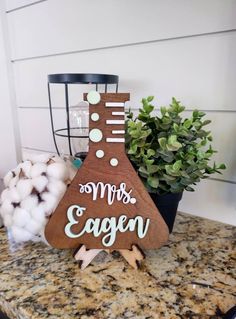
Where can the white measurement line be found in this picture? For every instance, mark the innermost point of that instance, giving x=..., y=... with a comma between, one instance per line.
x=118, y=132
x=118, y=113
x=115, y=140
x=115, y=121
x=114, y=104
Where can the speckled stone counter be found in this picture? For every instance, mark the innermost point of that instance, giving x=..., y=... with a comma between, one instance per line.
x=193, y=276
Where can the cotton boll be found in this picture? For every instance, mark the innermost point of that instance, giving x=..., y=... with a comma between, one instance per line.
x=20, y=234
x=6, y=208
x=7, y=178
x=56, y=187
x=20, y=217
x=50, y=202
x=32, y=226
x=13, y=181
x=13, y=195
x=7, y=220
x=17, y=170
x=26, y=168
x=36, y=238
x=57, y=159
x=40, y=158
x=4, y=195
x=40, y=183
x=58, y=171
x=29, y=202
x=24, y=188
x=38, y=213
x=37, y=169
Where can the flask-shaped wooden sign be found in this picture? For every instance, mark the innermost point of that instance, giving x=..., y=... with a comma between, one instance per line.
x=106, y=206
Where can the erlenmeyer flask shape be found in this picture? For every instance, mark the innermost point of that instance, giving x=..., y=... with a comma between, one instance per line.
x=106, y=206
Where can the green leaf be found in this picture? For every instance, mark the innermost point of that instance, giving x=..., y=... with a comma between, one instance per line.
x=187, y=123
x=133, y=148
x=163, y=110
x=173, y=144
x=197, y=125
x=177, y=165
x=175, y=127
x=162, y=141
x=172, y=139
x=206, y=122
x=150, y=98
x=143, y=170
x=153, y=181
x=150, y=153
x=221, y=166
x=152, y=168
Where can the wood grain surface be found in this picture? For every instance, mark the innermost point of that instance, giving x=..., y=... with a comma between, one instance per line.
x=99, y=170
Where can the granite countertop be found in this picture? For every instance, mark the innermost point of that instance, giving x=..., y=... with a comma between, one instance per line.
x=193, y=276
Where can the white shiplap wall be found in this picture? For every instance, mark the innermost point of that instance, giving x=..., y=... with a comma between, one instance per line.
x=165, y=48
x=9, y=142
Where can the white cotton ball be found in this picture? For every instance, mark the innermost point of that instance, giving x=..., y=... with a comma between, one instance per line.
x=32, y=226
x=17, y=170
x=58, y=171
x=40, y=183
x=20, y=234
x=7, y=220
x=13, y=182
x=40, y=158
x=36, y=238
x=37, y=169
x=29, y=202
x=5, y=195
x=13, y=195
x=57, y=159
x=26, y=168
x=7, y=178
x=38, y=213
x=6, y=208
x=20, y=217
x=24, y=188
x=56, y=187
x=50, y=202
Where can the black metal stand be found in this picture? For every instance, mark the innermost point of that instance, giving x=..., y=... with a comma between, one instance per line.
x=75, y=78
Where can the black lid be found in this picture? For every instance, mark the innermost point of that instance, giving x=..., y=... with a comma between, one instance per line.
x=83, y=78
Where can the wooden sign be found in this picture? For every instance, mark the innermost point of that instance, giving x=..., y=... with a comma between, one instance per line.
x=106, y=206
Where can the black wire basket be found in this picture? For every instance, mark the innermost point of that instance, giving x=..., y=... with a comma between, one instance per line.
x=101, y=82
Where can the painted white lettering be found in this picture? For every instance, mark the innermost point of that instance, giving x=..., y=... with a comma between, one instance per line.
x=100, y=190
x=109, y=226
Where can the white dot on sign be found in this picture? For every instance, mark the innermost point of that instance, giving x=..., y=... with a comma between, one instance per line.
x=95, y=135
x=94, y=117
x=132, y=200
x=114, y=161
x=93, y=97
x=100, y=153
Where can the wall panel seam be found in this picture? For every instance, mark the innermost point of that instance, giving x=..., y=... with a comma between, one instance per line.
x=222, y=180
x=25, y=6
x=132, y=108
x=123, y=45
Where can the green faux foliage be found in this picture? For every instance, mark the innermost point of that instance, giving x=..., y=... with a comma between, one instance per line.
x=170, y=153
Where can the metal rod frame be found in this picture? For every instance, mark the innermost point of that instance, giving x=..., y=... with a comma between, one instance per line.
x=75, y=78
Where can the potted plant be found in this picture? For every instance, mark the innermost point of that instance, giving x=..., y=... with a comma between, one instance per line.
x=170, y=153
